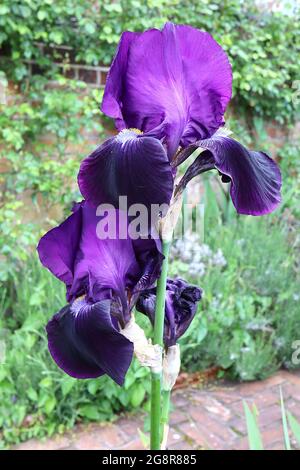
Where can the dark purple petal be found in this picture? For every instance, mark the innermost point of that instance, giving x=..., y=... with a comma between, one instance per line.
x=115, y=82
x=204, y=162
x=149, y=256
x=57, y=248
x=85, y=344
x=255, y=177
x=101, y=268
x=181, y=306
x=176, y=84
x=208, y=79
x=109, y=263
x=127, y=165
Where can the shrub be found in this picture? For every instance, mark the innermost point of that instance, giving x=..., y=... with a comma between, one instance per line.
x=37, y=398
x=43, y=134
x=248, y=319
x=263, y=46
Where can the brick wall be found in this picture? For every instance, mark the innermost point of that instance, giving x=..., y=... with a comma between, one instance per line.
x=94, y=77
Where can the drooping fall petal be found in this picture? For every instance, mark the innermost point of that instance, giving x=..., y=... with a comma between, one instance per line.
x=128, y=165
x=84, y=342
x=255, y=179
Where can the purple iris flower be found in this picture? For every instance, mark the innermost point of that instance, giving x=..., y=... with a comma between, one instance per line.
x=181, y=307
x=167, y=91
x=103, y=278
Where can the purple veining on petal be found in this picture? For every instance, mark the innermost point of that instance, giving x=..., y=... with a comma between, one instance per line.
x=130, y=165
x=84, y=342
x=255, y=179
x=174, y=84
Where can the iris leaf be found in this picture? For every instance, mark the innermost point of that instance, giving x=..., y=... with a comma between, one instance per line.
x=294, y=425
x=254, y=436
x=284, y=423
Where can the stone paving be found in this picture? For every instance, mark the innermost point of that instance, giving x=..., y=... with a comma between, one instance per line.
x=202, y=418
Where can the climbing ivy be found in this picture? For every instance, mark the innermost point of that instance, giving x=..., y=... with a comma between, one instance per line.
x=263, y=47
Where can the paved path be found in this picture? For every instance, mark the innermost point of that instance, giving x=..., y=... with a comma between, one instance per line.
x=207, y=418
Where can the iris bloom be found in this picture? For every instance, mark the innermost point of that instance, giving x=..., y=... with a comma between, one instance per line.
x=168, y=91
x=104, y=279
x=180, y=309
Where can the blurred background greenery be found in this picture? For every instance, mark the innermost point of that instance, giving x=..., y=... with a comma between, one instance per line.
x=248, y=267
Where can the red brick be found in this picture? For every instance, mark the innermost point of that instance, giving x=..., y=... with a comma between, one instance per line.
x=215, y=426
x=55, y=443
x=227, y=396
x=275, y=446
x=273, y=435
x=210, y=418
x=267, y=398
x=177, y=416
x=134, y=444
x=213, y=406
x=268, y=416
x=238, y=426
x=241, y=444
x=100, y=437
x=293, y=378
x=201, y=436
x=179, y=399
x=129, y=426
x=291, y=390
x=182, y=445
x=249, y=389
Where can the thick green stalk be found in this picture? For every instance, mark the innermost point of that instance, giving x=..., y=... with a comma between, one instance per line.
x=166, y=398
x=158, y=339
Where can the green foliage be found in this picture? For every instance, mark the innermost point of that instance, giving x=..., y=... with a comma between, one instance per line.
x=284, y=423
x=289, y=423
x=37, y=398
x=295, y=426
x=263, y=47
x=254, y=436
x=249, y=316
x=42, y=135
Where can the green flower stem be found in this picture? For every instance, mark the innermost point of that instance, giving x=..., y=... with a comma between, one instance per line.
x=166, y=398
x=156, y=377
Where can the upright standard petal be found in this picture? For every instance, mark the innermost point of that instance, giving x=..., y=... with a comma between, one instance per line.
x=84, y=342
x=128, y=165
x=254, y=177
x=180, y=309
x=115, y=83
x=176, y=84
x=208, y=81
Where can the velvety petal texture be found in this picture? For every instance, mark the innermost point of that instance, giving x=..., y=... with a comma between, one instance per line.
x=75, y=254
x=181, y=307
x=255, y=179
x=114, y=89
x=174, y=84
x=131, y=165
x=57, y=249
x=103, y=270
x=85, y=344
